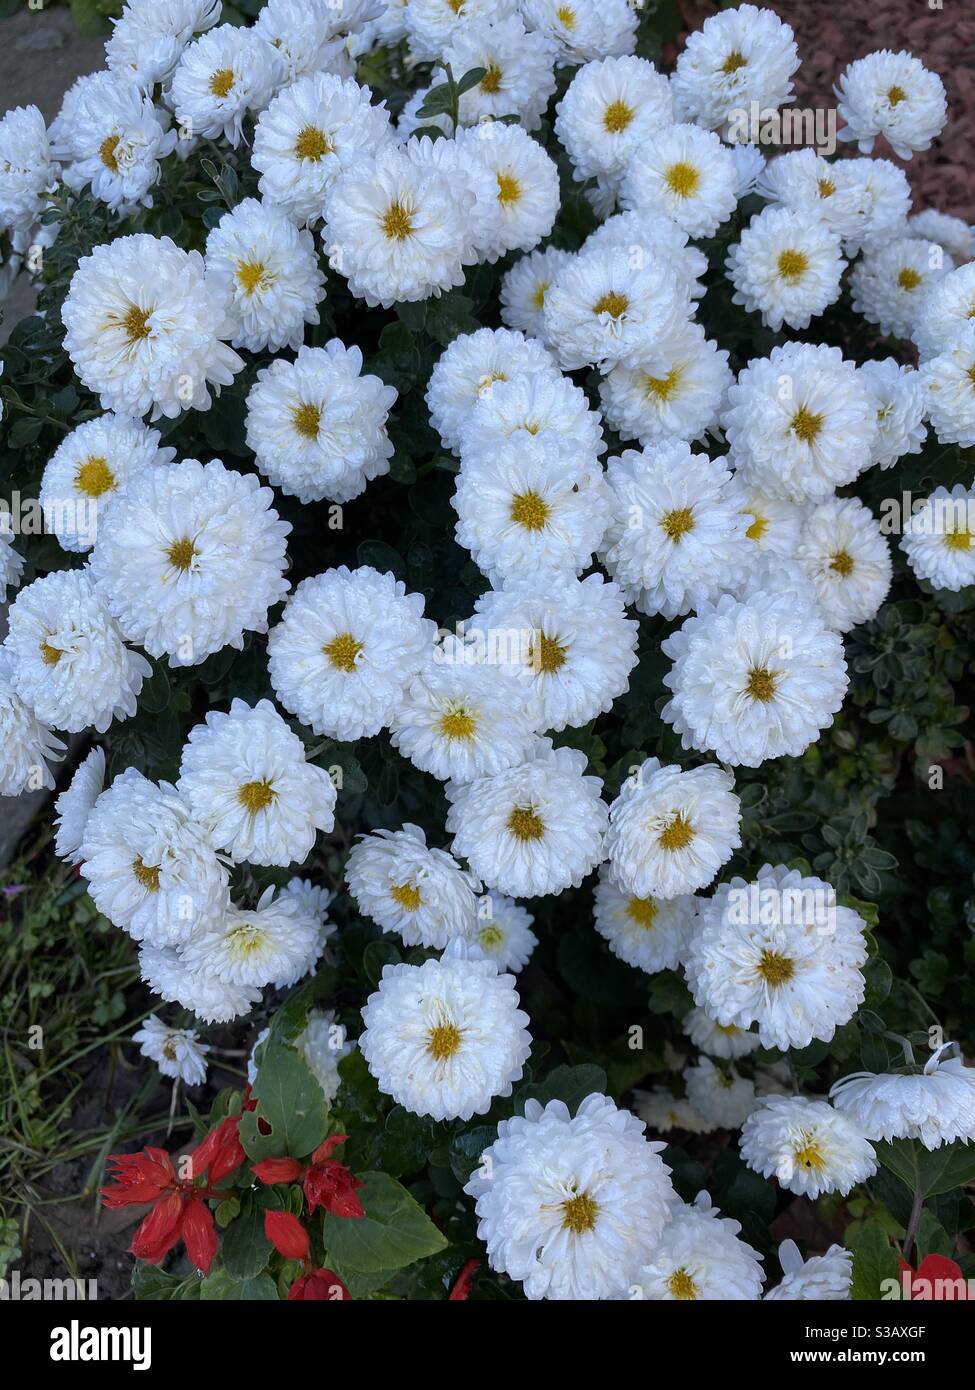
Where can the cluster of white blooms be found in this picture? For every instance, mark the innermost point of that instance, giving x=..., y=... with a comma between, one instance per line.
x=751, y=552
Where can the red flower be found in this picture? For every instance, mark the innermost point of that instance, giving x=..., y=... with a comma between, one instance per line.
x=461, y=1290
x=139, y=1178
x=320, y=1285
x=287, y=1235
x=160, y=1230
x=327, y=1183
x=220, y=1152
x=936, y=1279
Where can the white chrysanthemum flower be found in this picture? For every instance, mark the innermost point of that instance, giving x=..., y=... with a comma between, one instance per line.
x=346, y=648
x=807, y=184
x=313, y=130
x=194, y=558
x=847, y=558
x=807, y=1145
x=432, y=25
x=945, y=309
x=308, y=35
x=787, y=266
x=609, y=109
x=267, y=271
x=889, y=283
x=885, y=200
x=446, y=1037
x=570, y=637
x=88, y=471
x=396, y=228
x=177, y=1052
x=151, y=868
x=527, y=183
x=676, y=391
x=453, y=162
x=502, y=933
x=470, y=368
x=677, y=533
x=210, y=996
x=739, y=58
x=661, y=1111
x=755, y=679
x=649, y=933
x=688, y=174
x=322, y=1043
x=719, y=1095
x=603, y=310
x=145, y=328
x=670, y=831
x=541, y=404
x=949, y=390
x=524, y=287
x=70, y=664
x=26, y=745
x=531, y=509
x=11, y=560
x=245, y=777
x=956, y=236
x=719, y=1040
x=936, y=1105
x=406, y=887
x=222, y=77
x=27, y=168
x=800, y=422
x=774, y=528
x=779, y=952
x=147, y=41
x=276, y=943
x=465, y=716
x=584, y=33
x=939, y=538
x=894, y=95
x=74, y=805
x=114, y=142
x=700, y=1258
x=818, y=1279
x=899, y=397
x=653, y=236
x=572, y=1206
x=534, y=829
x=519, y=69
x=317, y=425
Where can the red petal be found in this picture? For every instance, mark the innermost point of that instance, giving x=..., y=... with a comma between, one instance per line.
x=160, y=1230
x=462, y=1287
x=271, y=1170
x=324, y=1151
x=199, y=1234
x=319, y=1286
x=287, y=1235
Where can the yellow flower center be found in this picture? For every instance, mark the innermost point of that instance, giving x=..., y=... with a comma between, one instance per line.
x=51, y=655
x=312, y=143
x=617, y=117
x=252, y=275
x=775, y=969
x=342, y=652
x=810, y=1155
x=525, y=825
x=255, y=796
x=761, y=684
x=548, y=656
x=397, y=224
x=530, y=511
x=579, y=1213
x=896, y=95
x=135, y=322
x=181, y=553
x=842, y=563
x=509, y=189
x=457, y=724
x=642, y=911
x=221, y=82
x=491, y=81
x=662, y=388
x=793, y=265
x=107, y=152
x=678, y=523
x=537, y=300
x=443, y=1042
x=147, y=874
x=806, y=425
x=94, y=477
x=958, y=540
x=826, y=188
x=491, y=937
x=682, y=179
x=908, y=278
x=611, y=303
x=677, y=835
x=306, y=419
x=682, y=1286
x=733, y=62
x=566, y=16
x=758, y=527
x=407, y=896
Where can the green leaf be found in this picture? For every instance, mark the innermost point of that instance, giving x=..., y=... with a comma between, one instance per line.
x=394, y=1232
x=219, y=1285
x=290, y=1103
x=874, y=1259
x=245, y=1249
x=471, y=78
x=931, y=1171
x=568, y=1084
x=153, y=1285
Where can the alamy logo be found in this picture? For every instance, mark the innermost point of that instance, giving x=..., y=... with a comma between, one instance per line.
x=78, y=1343
x=17, y=1290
